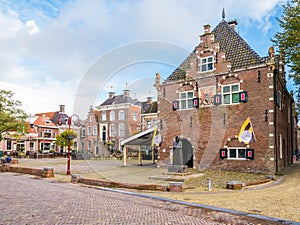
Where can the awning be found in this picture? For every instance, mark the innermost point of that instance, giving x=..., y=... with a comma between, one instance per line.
x=143, y=138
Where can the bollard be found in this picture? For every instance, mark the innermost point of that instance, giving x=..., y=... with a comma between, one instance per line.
x=209, y=184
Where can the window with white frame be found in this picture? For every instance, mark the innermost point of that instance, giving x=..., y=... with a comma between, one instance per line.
x=121, y=115
x=149, y=124
x=83, y=132
x=91, y=118
x=207, y=64
x=112, y=130
x=236, y=153
x=134, y=116
x=95, y=130
x=89, y=130
x=89, y=145
x=121, y=130
x=103, y=117
x=186, y=100
x=230, y=93
x=112, y=116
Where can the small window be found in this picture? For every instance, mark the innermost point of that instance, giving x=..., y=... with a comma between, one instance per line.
x=83, y=132
x=230, y=94
x=95, y=130
x=207, y=64
x=112, y=130
x=121, y=115
x=91, y=118
x=134, y=116
x=236, y=153
x=112, y=116
x=186, y=100
x=121, y=130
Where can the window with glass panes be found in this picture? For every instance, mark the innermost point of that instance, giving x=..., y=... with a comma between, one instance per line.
x=236, y=153
x=207, y=64
x=231, y=93
x=186, y=100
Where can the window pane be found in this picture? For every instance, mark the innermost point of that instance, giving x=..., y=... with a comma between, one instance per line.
x=210, y=59
x=242, y=153
x=183, y=104
x=232, y=153
x=182, y=95
x=235, y=98
x=235, y=88
x=190, y=103
x=203, y=68
x=210, y=66
x=226, y=89
x=226, y=99
x=190, y=94
x=203, y=61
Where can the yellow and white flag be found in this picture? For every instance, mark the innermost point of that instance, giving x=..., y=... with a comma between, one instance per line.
x=246, y=134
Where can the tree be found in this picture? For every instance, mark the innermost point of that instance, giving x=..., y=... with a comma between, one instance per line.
x=12, y=117
x=287, y=42
x=64, y=137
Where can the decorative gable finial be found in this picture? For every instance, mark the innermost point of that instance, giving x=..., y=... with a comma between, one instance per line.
x=223, y=14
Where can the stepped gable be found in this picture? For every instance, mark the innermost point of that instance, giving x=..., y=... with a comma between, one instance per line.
x=120, y=99
x=236, y=49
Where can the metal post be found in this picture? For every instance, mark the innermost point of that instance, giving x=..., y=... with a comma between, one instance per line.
x=209, y=184
x=69, y=157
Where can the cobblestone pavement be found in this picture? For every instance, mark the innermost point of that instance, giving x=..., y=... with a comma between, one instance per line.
x=26, y=199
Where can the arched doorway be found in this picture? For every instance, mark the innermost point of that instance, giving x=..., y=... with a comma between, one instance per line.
x=187, y=153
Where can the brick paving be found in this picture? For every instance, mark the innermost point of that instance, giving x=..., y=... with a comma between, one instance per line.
x=26, y=199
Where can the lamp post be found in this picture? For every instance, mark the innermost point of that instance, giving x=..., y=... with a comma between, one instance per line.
x=69, y=138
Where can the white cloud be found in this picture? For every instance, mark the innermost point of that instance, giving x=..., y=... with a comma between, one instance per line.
x=50, y=46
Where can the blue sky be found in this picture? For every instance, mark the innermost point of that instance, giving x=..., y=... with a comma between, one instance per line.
x=49, y=46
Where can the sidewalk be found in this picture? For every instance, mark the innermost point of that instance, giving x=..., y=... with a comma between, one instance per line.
x=278, y=201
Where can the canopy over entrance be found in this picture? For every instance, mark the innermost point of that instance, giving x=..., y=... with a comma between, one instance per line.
x=145, y=138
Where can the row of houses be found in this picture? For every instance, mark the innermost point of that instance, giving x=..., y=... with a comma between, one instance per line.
x=224, y=107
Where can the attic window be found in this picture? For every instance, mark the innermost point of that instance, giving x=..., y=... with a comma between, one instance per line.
x=47, y=122
x=207, y=64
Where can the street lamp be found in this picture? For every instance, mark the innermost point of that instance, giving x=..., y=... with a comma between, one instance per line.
x=69, y=138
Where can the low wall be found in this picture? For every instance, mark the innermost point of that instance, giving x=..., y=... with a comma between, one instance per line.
x=47, y=172
x=104, y=183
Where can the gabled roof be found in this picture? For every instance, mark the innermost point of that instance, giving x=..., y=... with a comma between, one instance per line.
x=44, y=121
x=120, y=99
x=236, y=49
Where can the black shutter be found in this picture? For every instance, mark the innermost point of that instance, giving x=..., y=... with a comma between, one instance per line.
x=218, y=99
x=223, y=153
x=175, y=105
x=243, y=96
x=196, y=102
x=250, y=153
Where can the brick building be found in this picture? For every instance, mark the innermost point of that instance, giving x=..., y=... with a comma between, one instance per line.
x=207, y=99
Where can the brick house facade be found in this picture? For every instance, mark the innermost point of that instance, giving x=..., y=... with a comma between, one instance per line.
x=206, y=100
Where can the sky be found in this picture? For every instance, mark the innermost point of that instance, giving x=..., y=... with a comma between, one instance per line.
x=73, y=52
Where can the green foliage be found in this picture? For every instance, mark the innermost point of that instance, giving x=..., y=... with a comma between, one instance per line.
x=11, y=116
x=63, y=138
x=288, y=41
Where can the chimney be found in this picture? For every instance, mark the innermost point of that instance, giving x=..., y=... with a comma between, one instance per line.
x=111, y=94
x=62, y=108
x=126, y=91
x=206, y=29
x=233, y=24
x=149, y=100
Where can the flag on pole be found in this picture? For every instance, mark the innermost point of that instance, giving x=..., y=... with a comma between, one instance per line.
x=246, y=134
